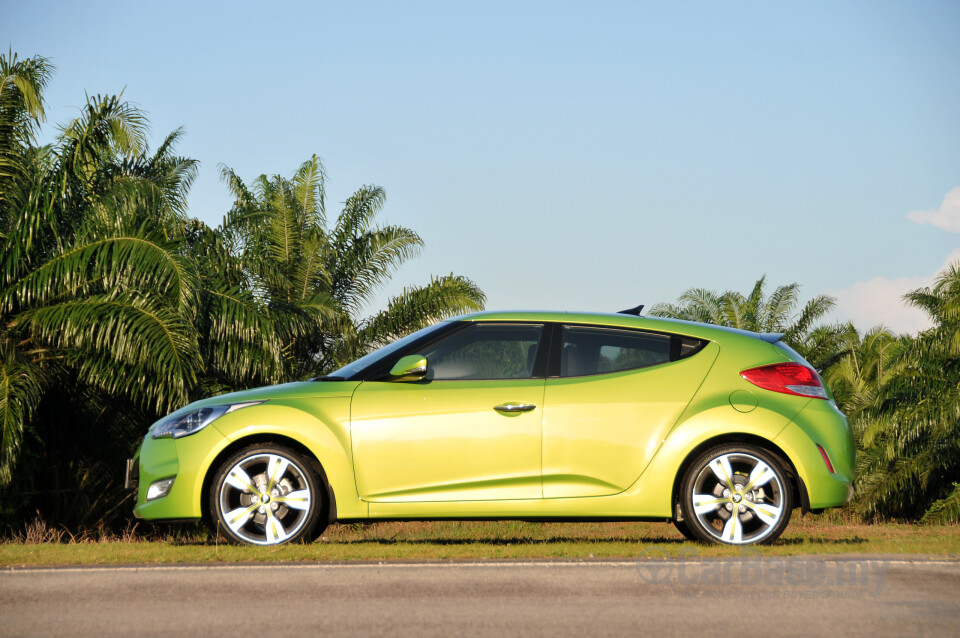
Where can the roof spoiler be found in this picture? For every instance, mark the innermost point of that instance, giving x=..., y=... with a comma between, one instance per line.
x=632, y=311
x=771, y=337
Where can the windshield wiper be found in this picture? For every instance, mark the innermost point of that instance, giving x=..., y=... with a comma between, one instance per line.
x=328, y=378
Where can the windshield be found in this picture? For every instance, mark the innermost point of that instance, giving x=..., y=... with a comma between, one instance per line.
x=352, y=369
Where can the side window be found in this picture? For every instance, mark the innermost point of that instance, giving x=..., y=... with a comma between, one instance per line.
x=485, y=351
x=598, y=350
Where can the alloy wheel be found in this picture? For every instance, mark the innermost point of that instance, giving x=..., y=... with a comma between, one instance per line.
x=737, y=496
x=265, y=498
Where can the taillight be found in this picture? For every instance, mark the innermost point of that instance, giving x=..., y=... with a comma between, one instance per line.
x=788, y=378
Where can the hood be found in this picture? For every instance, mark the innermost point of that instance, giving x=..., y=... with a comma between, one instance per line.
x=295, y=390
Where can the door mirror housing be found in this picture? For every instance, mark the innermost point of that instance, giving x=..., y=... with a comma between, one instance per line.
x=412, y=367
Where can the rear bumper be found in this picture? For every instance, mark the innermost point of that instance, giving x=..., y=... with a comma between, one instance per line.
x=820, y=423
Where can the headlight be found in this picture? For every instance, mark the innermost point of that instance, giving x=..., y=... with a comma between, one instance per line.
x=192, y=422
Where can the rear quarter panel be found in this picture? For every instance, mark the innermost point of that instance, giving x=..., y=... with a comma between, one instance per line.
x=711, y=414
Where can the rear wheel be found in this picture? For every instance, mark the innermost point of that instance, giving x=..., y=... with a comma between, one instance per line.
x=737, y=495
x=267, y=495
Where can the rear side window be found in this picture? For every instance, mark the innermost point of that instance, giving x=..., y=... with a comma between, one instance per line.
x=689, y=346
x=598, y=350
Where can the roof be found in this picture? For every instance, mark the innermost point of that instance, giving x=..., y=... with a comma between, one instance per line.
x=661, y=324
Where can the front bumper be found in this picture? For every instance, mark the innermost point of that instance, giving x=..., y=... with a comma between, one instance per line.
x=186, y=459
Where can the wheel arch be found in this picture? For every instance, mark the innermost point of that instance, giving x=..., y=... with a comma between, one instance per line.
x=330, y=503
x=797, y=485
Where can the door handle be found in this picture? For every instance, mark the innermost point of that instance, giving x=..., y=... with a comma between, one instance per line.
x=515, y=407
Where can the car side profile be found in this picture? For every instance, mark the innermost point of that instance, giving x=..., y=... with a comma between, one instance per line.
x=515, y=415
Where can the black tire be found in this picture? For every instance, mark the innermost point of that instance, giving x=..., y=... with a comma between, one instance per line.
x=733, y=509
x=248, y=506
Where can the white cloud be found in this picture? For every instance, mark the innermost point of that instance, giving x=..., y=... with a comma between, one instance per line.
x=947, y=218
x=880, y=300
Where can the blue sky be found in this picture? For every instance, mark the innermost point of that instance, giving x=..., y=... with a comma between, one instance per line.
x=586, y=156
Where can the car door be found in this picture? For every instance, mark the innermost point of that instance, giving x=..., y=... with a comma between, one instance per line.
x=470, y=430
x=618, y=394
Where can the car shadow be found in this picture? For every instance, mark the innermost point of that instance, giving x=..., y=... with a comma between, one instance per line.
x=516, y=540
x=559, y=540
x=546, y=542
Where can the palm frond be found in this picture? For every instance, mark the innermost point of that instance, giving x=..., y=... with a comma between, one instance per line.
x=238, y=338
x=241, y=194
x=754, y=303
x=733, y=309
x=812, y=311
x=778, y=310
x=670, y=311
x=945, y=510
x=125, y=344
x=418, y=307
x=703, y=305
x=358, y=214
x=124, y=262
x=371, y=261
x=22, y=83
x=21, y=388
x=309, y=190
x=106, y=122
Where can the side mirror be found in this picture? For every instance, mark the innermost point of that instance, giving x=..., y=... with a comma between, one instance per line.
x=412, y=367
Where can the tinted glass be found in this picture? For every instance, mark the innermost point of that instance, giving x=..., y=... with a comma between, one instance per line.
x=598, y=350
x=351, y=369
x=690, y=346
x=485, y=351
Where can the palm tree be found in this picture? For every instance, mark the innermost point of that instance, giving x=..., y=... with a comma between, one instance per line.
x=866, y=365
x=116, y=307
x=90, y=294
x=236, y=335
x=761, y=313
x=910, y=463
x=21, y=110
x=315, y=281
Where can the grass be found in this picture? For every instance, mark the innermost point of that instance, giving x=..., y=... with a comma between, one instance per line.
x=456, y=540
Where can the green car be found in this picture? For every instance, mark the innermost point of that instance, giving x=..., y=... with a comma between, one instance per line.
x=519, y=415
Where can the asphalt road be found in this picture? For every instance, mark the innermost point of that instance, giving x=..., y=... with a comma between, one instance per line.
x=804, y=596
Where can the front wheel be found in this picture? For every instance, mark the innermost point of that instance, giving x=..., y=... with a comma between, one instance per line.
x=266, y=495
x=737, y=495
